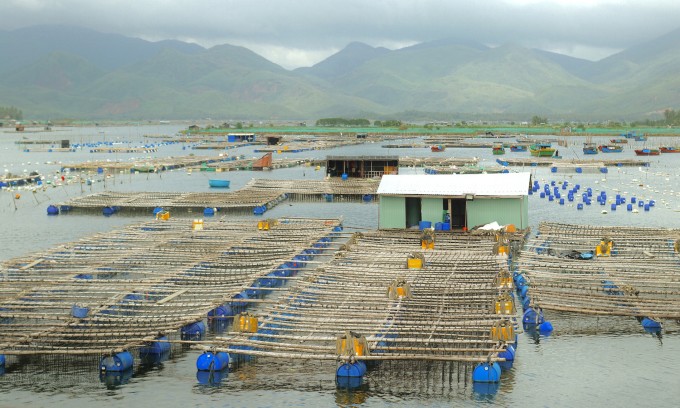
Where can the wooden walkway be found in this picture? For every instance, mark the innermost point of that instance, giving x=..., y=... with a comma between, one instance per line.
x=640, y=278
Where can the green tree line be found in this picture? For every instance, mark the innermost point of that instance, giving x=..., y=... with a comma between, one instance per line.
x=10, y=112
x=342, y=122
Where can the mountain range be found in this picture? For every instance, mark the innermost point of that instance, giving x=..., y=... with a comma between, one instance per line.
x=56, y=72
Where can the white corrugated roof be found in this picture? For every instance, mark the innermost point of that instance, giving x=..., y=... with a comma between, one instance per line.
x=499, y=184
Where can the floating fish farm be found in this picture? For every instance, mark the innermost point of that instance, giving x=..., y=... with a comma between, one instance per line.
x=390, y=296
x=131, y=292
x=258, y=196
x=604, y=271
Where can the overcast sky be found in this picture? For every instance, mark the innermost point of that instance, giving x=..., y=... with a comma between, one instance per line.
x=295, y=33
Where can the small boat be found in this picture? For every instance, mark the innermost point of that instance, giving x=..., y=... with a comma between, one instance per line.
x=647, y=152
x=669, y=149
x=542, y=149
x=218, y=183
x=589, y=148
x=610, y=148
x=437, y=148
x=498, y=149
x=619, y=140
x=640, y=138
x=518, y=148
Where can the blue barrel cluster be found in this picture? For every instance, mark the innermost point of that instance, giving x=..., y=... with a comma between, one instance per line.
x=532, y=317
x=553, y=193
x=221, y=316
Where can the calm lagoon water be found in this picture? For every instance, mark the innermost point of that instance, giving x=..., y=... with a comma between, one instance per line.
x=587, y=361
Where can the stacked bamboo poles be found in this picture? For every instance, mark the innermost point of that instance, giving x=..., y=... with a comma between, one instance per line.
x=257, y=192
x=247, y=164
x=447, y=317
x=640, y=278
x=139, y=281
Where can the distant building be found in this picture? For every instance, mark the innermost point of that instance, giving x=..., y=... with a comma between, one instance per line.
x=361, y=166
x=240, y=137
x=464, y=200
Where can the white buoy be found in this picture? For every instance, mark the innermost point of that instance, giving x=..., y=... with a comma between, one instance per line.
x=604, y=211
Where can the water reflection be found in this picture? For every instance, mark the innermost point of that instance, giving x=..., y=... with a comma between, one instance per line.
x=114, y=379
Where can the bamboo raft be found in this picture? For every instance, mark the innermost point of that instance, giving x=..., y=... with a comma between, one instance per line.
x=549, y=161
x=447, y=315
x=257, y=193
x=437, y=161
x=641, y=278
x=247, y=164
x=111, y=149
x=155, y=164
x=138, y=281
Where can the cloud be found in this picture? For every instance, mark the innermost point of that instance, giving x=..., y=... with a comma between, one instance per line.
x=301, y=32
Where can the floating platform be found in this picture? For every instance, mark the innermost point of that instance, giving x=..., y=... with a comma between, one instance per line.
x=257, y=193
x=549, y=161
x=118, y=290
x=148, y=165
x=445, y=311
x=639, y=277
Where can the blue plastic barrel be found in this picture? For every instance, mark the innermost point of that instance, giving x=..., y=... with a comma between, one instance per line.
x=613, y=207
x=108, y=211
x=648, y=323
x=632, y=200
x=52, y=210
x=646, y=207
x=211, y=377
x=357, y=369
x=579, y=170
x=531, y=317
x=437, y=226
x=209, y=361
x=159, y=346
x=425, y=224
x=116, y=362
x=344, y=176
x=193, y=331
x=508, y=353
x=157, y=210
x=487, y=372
x=446, y=226
x=652, y=203
x=367, y=198
x=79, y=312
x=545, y=327
x=542, y=195
x=579, y=206
x=551, y=198
x=209, y=211
x=641, y=203
x=221, y=312
x=629, y=207
x=561, y=201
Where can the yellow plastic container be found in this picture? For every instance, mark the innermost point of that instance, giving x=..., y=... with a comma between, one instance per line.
x=247, y=323
x=401, y=291
x=505, y=307
x=604, y=249
x=358, y=346
x=427, y=244
x=414, y=263
x=163, y=215
x=503, y=249
x=263, y=225
x=503, y=331
x=197, y=225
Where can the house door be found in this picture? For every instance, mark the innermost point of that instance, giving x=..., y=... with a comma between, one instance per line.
x=413, y=213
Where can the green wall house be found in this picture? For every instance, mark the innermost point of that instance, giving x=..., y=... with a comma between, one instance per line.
x=455, y=200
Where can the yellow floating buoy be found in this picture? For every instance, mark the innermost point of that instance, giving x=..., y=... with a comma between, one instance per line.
x=197, y=225
x=17, y=196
